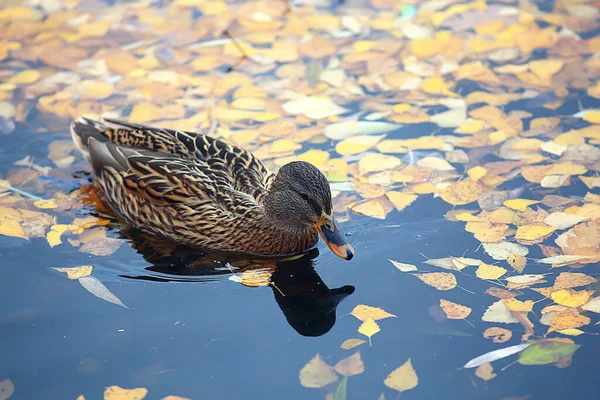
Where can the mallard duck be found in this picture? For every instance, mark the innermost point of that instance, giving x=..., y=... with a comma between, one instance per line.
x=201, y=191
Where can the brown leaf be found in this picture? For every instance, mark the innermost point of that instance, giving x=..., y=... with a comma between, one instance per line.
x=350, y=366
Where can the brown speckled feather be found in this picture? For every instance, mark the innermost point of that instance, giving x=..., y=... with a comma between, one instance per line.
x=187, y=187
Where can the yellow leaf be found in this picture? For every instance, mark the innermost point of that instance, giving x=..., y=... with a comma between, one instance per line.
x=357, y=144
x=284, y=146
x=592, y=117
x=571, y=298
x=144, y=112
x=471, y=126
x=533, y=232
x=369, y=328
x=318, y=158
x=95, y=90
x=256, y=277
x=352, y=343
x=519, y=204
x=453, y=310
x=498, y=335
x=365, y=313
x=436, y=163
x=50, y=203
x=24, y=77
x=436, y=85
x=372, y=162
x=485, y=371
x=336, y=170
x=76, y=272
x=545, y=69
x=402, y=378
x=462, y=192
x=401, y=200
x=317, y=373
x=517, y=305
x=249, y=103
x=9, y=227
x=476, y=71
x=118, y=393
x=567, y=319
x=567, y=168
x=476, y=173
x=517, y=261
x=486, y=271
x=439, y=280
x=571, y=332
x=371, y=208
x=350, y=366
x=53, y=237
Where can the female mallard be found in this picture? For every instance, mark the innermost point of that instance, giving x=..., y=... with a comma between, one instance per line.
x=202, y=191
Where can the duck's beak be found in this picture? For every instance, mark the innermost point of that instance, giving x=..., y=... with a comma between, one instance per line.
x=334, y=237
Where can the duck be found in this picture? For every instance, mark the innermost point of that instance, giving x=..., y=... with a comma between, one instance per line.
x=202, y=191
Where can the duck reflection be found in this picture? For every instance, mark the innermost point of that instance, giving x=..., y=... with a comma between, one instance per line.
x=308, y=304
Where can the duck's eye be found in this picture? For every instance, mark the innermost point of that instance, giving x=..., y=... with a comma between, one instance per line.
x=304, y=196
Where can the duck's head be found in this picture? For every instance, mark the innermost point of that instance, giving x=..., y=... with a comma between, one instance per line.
x=301, y=195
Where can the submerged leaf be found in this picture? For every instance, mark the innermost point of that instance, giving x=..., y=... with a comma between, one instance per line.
x=350, y=366
x=352, y=343
x=485, y=371
x=118, y=393
x=317, y=373
x=547, y=352
x=402, y=378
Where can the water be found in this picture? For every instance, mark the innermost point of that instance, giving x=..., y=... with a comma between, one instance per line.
x=191, y=331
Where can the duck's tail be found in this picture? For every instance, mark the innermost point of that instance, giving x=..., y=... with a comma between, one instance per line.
x=83, y=129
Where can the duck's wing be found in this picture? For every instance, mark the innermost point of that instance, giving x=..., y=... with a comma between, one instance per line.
x=245, y=172
x=181, y=199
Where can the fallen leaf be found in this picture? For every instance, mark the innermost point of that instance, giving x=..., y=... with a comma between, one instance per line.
x=496, y=355
x=313, y=107
x=519, y=204
x=369, y=328
x=403, y=267
x=352, y=343
x=400, y=200
x=439, y=280
x=486, y=271
x=503, y=250
x=534, y=232
x=546, y=351
x=118, y=393
x=453, y=310
x=517, y=261
x=76, y=272
x=462, y=192
x=7, y=389
x=402, y=378
x=371, y=208
x=350, y=366
x=499, y=312
x=567, y=319
x=562, y=220
x=498, y=335
x=316, y=373
x=485, y=371
x=571, y=298
x=97, y=288
x=365, y=313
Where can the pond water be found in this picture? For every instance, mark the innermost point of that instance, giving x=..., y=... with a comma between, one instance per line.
x=187, y=328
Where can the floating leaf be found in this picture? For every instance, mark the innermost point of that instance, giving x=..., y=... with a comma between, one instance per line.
x=496, y=355
x=364, y=313
x=486, y=271
x=453, y=310
x=76, y=272
x=369, y=328
x=402, y=378
x=498, y=335
x=462, y=192
x=118, y=393
x=571, y=298
x=352, y=343
x=503, y=250
x=567, y=319
x=499, y=312
x=547, y=352
x=346, y=129
x=517, y=261
x=313, y=107
x=97, y=288
x=439, y=280
x=533, y=232
x=519, y=204
x=403, y=267
x=350, y=366
x=562, y=220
